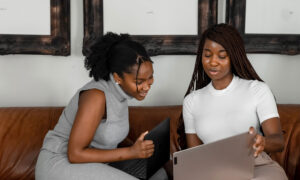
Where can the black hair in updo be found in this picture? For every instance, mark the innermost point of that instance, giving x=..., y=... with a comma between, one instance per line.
x=113, y=53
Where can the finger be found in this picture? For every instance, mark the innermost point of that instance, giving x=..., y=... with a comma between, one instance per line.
x=255, y=154
x=147, y=153
x=147, y=147
x=150, y=153
x=151, y=146
x=148, y=142
x=252, y=130
x=258, y=140
x=258, y=151
x=142, y=136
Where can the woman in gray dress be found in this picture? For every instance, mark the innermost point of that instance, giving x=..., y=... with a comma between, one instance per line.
x=95, y=121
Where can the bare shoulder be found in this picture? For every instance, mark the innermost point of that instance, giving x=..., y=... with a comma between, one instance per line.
x=93, y=96
x=92, y=102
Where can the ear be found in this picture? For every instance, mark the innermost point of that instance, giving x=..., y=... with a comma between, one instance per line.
x=117, y=78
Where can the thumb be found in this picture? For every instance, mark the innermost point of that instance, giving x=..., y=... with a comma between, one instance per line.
x=142, y=136
x=252, y=130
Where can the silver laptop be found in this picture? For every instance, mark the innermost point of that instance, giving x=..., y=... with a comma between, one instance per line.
x=230, y=158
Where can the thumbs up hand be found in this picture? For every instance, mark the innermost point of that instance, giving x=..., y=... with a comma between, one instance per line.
x=142, y=148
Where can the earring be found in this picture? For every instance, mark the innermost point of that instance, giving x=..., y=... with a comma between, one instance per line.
x=117, y=83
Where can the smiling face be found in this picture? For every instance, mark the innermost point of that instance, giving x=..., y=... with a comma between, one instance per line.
x=216, y=64
x=137, y=87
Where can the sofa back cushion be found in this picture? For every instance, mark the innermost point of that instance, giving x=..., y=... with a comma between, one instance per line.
x=22, y=131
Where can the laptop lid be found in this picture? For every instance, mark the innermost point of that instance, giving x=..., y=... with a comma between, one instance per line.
x=145, y=168
x=160, y=135
x=230, y=158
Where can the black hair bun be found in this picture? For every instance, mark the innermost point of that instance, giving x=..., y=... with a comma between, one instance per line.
x=97, y=55
x=113, y=53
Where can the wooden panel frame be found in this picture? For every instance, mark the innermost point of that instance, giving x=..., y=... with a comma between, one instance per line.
x=260, y=43
x=155, y=44
x=58, y=43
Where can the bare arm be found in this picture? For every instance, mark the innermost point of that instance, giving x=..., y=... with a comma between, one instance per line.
x=193, y=140
x=91, y=109
x=273, y=135
x=272, y=141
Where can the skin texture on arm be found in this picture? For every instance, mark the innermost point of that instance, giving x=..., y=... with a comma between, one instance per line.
x=272, y=141
x=193, y=140
x=91, y=109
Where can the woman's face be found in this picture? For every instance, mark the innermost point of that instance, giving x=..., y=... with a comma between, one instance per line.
x=137, y=87
x=216, y=62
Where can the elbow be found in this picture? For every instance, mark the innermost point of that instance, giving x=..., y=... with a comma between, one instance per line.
x=73, y=156
x=281, y=144
x=281, y=147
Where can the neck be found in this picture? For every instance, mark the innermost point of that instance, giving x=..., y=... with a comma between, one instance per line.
x=220, y=84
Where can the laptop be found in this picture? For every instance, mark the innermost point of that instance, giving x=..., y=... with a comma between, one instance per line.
x=229, y=158
x=145, y=168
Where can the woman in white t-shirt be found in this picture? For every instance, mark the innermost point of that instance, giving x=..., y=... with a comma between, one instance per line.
x=227, y=97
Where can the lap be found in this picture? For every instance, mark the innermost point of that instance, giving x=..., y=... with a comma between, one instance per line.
x=265, y=168
x=161, y=174
x=57, y=166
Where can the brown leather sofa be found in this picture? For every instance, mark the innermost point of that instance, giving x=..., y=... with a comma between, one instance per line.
x=22, y=130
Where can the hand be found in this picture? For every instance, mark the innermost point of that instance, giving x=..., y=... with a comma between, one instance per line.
x=259, y=142
x=142, y=148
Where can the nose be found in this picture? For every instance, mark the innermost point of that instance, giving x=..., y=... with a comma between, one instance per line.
x=146, y=85
x=213, y=61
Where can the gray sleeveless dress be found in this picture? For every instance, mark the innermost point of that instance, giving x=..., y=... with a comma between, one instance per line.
x=53, y=163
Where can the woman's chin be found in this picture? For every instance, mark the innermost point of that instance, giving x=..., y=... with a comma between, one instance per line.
x=140, y=98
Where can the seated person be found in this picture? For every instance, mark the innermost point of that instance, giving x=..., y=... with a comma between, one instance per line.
x=229, y=98
x=95, y=121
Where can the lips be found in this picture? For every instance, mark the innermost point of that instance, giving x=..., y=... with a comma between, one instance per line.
x=213, y=72
x=143, y=94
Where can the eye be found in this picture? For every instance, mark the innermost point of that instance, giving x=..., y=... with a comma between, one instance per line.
x=222, y=55
x=150, y=80
x=207, y=54
x=139, y=82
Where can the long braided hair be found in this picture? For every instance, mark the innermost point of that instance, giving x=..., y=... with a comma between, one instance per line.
x=227, y=36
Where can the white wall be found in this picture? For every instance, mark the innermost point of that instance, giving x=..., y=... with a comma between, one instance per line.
x=42, y=80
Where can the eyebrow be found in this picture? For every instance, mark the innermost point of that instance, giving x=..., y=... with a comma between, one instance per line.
x=222, y=50
x=145, y=79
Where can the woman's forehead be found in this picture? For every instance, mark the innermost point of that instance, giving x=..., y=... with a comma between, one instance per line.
x=212, y=44
x=145, y=70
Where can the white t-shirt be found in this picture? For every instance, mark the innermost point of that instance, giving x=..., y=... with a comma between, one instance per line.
x=216, y=114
